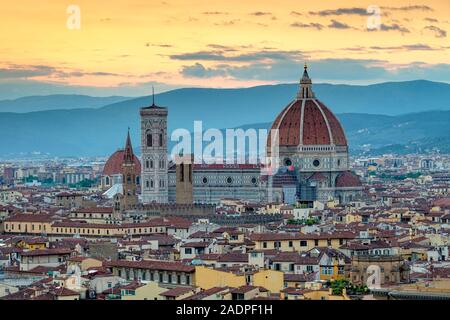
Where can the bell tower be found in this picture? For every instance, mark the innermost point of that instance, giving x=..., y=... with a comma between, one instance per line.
x=130, y=198
x=154, y=176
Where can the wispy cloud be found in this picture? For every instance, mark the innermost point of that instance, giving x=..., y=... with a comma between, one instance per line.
x=324, y=69
x=15, y=71
x=418, y=47
x=227, y=23
x=215, y=13
x=260, y=13
x=312, y=25
x=431, y=19
x=338, y=25
x=438, y=32
x=199, y=71
x=391, y=27
x=162, y=45
x=409, y=8
x=219, y=56
x=340, y=11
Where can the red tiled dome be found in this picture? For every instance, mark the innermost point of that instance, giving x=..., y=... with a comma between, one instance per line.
x=347, y=179
x=115, y=162
x=314, y=125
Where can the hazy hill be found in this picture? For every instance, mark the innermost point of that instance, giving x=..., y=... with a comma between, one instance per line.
x=99, y=131
x=57, y=101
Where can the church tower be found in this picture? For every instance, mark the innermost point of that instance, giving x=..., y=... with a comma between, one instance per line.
x=184, y=184
x=154, y=176
x=130, y=198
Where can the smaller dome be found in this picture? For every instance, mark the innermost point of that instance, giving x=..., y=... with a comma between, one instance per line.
x=317, y=176
x=114, y=164
x=347, y=179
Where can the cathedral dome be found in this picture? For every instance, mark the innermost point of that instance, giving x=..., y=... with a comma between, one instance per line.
x=347, y=179
x=307, y=121
x=114, y=164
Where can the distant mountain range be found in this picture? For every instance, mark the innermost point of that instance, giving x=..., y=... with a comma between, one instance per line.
x=56, y=102
x=411, y=118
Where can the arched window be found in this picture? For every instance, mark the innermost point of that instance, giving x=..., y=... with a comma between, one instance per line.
x=151, y=164
x=160, y=140
x=107, y=180
x=149, y=140
x=151, y=184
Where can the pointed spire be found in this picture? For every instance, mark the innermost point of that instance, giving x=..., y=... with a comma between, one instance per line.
x=305, y=72
x=128, y=156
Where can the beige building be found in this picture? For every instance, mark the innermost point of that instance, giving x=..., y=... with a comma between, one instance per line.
x=392, y=269
x=69, y=200
x=299, y=242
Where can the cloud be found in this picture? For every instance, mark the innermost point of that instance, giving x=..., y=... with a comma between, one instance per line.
x=391, y=27
x=215, y=13
x=431, y=20
x=334, y=70
x=221, y=47
x=340, y=11
x=163, y=45
x=221, y=56
x=199, y=71
x=260, y=13
x=296, y=13
x=438, y=32
x=311, y=25
x=363, y=11
x=25, y=71
x=409, y=8
x=338, y=25
x=227, y=23
x=409, y=47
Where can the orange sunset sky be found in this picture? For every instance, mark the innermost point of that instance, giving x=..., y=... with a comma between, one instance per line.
x=123, y=47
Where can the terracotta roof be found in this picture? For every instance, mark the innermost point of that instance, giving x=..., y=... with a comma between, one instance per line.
x=64, y=292
x=206, y=293
x=115, y=162
x=243, y=289
x=23, y=217
x=233, y=257
x=195, y=244
x=347, y=179
x=151, y=265
x=132, y=286
x=46, y=252
x=94, y=210
x=177, y=291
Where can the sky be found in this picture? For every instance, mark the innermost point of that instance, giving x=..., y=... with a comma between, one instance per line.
x=123, y=47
